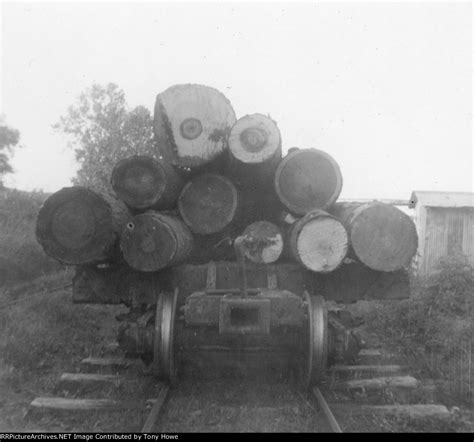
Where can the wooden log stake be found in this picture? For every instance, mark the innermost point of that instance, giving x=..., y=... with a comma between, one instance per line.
x=382, y=237
x=209, y=204
x=307, y=179
x=191, y=124
x=318, y=241
x=152, y=241
x=143, y=182
x=79, y=226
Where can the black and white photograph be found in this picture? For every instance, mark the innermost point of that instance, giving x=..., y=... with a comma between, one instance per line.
x=235, y=217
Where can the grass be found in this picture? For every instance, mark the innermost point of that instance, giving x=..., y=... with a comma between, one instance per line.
x=42, y=334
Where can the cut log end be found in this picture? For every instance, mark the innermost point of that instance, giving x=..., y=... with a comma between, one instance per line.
x=139, y=182
x=255, y=139
x=143, y=182
x=191, y=124
x=263, y=242
x=208, y=203
x=308, y=179
x=383, y=237
x=76, y=226
x=153, y=241
x=319, y=242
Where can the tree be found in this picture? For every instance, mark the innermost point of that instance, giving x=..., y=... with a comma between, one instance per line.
x=9, y=138
x=103, y=130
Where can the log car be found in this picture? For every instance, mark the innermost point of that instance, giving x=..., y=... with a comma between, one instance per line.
x=238, y=311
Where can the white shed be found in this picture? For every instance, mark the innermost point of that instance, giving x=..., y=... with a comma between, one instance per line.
x=445, y=225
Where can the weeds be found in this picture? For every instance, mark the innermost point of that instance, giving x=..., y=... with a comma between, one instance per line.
x=434, y=328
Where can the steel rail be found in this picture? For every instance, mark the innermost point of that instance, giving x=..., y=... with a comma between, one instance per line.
x=155, y=411
x=326, y=410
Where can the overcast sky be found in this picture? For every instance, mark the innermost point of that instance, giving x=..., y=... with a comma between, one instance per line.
x=385, y=88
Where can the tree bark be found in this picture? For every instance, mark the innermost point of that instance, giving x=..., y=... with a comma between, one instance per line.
x=318, y=241
x=79, y=226
x=152, y=241
x=307, y=179
x=144, y=182
x=382, y=236
x=209, y=204
x=191, y=124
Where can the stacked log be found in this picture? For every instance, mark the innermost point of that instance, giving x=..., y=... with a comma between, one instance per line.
x=318, y=241
x=308, y=179
x=263, y=242
x=80, y=226
x=255, y=151
x=382, y=237
x=214, y=179
x=192, y=124
x=209, y=204
x=254, y=154
x=142, y=182
x=152, y=241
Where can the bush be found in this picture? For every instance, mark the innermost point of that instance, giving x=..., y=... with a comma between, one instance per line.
x=21, y=257
x=434, y=327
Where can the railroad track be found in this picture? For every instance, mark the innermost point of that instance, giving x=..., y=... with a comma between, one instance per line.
x=361, y=387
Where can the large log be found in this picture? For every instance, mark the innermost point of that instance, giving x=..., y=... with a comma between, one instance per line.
x=79, y=226
x=191, y=124
x=382, y=237
x=263, y=242
x=308, y=179
x=152, y=241
x=318, y=241
x=255, y=151
x=144, y=182
x=209, y=204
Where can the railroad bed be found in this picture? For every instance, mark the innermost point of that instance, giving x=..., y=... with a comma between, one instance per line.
x=116, y=394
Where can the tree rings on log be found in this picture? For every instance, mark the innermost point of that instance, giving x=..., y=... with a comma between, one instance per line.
x=208, y=203
x=79, y=226
x=144, y=182
x=263, y=242
x=255, y=139
x=382, y=237
x=191, y=124
x=308, y=179
x=152, y=241
x=318, y=241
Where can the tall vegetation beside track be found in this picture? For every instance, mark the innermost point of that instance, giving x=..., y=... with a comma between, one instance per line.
x=21, y=257
x=435, y=328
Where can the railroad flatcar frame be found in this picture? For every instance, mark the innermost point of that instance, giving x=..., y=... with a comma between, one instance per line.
x=237, y=307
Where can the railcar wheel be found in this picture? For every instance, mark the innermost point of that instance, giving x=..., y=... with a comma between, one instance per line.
x=163, y=343
x=317, y=345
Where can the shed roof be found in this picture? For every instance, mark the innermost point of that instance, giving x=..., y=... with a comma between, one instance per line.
x=441, y=199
